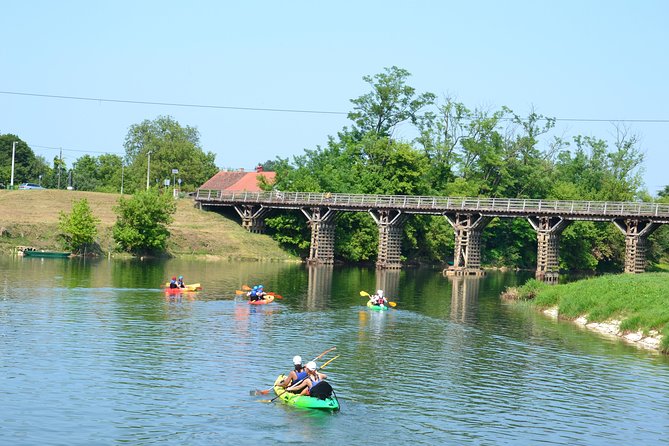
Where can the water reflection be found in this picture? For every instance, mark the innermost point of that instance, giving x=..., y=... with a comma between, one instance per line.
x=389, y=282
x=319, y=288
x=464, y=296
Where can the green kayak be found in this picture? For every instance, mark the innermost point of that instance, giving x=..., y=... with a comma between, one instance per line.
x=304, y=401
x=376, y=307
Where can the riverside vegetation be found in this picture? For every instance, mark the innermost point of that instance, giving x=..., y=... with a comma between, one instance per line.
x=634, y=306
x=32, y=219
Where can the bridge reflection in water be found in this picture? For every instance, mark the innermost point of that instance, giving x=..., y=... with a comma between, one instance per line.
x=468, y=217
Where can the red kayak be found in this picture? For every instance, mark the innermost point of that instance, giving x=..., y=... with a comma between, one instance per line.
x=266, y=300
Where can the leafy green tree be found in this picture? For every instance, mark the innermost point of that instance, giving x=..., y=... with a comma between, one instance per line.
x=27, y=166
x=79, y=228
x=99, y=174
x=390, y=103
x=142, y=220
x=171, y=146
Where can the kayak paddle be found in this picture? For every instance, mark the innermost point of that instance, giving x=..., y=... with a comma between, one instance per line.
x=366, y=294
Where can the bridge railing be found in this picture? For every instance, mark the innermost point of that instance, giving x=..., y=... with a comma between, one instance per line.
x=438, y=204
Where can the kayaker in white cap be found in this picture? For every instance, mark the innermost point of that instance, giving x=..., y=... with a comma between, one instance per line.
x=379, y=298
x=297, y=374
x=313, y=377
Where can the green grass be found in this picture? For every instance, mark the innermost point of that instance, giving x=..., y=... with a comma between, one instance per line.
x=639, y=301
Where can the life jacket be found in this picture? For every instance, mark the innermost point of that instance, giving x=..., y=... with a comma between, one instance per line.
x=300, y=375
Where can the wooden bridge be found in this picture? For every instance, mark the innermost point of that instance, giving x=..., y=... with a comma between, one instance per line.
x=468, y=216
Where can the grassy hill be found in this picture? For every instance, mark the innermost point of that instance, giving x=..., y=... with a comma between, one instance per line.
x=30, y=218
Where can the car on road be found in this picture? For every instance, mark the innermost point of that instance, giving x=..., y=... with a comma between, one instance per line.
x=25, y=186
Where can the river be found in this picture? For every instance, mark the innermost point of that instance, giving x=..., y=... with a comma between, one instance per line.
x=94, y=353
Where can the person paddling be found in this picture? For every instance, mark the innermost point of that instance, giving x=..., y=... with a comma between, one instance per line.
x=313, y=378
x=173, y=282
x=379, y=299
x=180, y=282
x=296, y=375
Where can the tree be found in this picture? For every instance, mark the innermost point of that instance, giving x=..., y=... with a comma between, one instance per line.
x=27, y=166
x=390, y=102
x=79, y=228
x=171, y=147
x=141, y=224
x=99, y=174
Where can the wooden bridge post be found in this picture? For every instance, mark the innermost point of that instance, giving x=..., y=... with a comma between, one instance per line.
x=252, y=220
x=321, y=221
x=467, y=256
x=390, y=227
x=548, y=246
x=636, y=234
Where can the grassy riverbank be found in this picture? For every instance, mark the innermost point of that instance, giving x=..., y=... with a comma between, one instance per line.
x=639, y=301
x=30, y=218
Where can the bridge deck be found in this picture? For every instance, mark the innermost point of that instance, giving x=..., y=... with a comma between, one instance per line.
x=499, y=207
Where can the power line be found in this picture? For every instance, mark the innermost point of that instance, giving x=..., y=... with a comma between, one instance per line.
x=283, y=110
x=175, y=104
x=76, y=150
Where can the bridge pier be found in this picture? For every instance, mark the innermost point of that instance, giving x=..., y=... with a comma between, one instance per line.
x=390, y=227
x=636, y=234
x=321, y=221
x=548, y=246
x=467, y=257
x=252, y=220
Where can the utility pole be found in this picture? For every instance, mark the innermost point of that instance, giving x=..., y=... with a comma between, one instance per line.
x=60, y=162
x=11, y=182
x=148, y=171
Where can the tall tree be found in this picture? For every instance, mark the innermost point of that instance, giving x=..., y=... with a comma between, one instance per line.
x=27, y=166
x=390, y=103
x=170, y=146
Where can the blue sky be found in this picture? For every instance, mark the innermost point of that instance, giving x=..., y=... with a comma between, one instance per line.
x=603, y=60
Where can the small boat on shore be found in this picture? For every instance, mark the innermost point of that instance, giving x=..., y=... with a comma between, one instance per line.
x=46, y=254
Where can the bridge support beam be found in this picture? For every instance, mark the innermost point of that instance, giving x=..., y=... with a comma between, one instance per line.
x=390, y=224
x=636, y=234
x=548, y=246
x=321, y=221
x=253, y=217
x=467, y=256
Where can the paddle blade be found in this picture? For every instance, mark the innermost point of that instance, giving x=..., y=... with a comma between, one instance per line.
x=246, y=287
x=278, y=296
x=392, y=304
x=364, y=293
x=324, y=353
x=239, y=292
x=260, y=392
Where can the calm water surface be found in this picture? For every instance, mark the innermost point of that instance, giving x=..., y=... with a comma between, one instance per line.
x=92, y=352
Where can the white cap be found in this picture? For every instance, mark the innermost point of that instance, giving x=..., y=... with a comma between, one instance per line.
x=297, y=360
x=311, y=365
x=379, y=292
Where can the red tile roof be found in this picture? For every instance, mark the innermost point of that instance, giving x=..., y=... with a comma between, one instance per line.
x=237, y=181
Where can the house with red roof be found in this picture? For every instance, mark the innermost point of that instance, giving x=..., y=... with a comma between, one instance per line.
x=238, y=180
